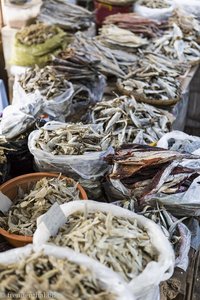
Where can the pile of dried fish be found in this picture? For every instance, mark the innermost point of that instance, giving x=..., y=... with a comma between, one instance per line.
x=123, y=120
x=22, y=215
x=181, y=41
x=66, y=15
x=36, y=34
x=135, y=23
x=175, y=231
x=71, y=139
x=90, y=56
x=116, y=242
x=39, y=275
x=140, y=171
x=153, y=77
x=47, y=80
x=117, y=38
x=154, y=3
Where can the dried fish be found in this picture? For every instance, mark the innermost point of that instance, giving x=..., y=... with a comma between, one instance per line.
x=66, y=15
x=181, y=40
x=154, y=3
x=117, y=38
x=135, y=23
x=70, y=139
x=123, y=120
x=22, y=215
x=50, y=277
x=89, y=56
x=116, y=242
x=36, y=34
x=153, y=77
x=141, y=171
x=47, y=80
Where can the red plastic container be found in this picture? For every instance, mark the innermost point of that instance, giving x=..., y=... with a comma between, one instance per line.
x=103, y=9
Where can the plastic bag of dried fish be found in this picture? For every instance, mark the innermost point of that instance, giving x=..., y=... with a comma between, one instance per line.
x=56, y=273
x=73, y=149
x=45, y=91
x=180, y=141
x=21, y=216
x=154, y=9
x=17, y=120
x=123, y=120
x=154, y=174
x=34, y=44
x=192, y=7
x=119, y=239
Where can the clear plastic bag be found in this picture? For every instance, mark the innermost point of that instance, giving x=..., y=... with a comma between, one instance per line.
x=180, y=141
x=153, y=13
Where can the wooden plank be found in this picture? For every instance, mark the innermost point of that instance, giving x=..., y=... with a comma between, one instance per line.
x=196, y=279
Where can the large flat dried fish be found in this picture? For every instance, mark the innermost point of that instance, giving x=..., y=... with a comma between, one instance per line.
x=135, y=23
x=65, y=15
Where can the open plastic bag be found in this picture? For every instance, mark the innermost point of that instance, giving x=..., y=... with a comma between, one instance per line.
x=146, y=285
x=109, y=280
x=180, y=141
x=87, y=168
x=57, y=108
x=154, y=13
x=191, y=7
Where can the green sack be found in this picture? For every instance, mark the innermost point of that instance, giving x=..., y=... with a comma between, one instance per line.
x=24, y=55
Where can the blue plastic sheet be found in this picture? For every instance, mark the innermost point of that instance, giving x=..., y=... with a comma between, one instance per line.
x=3, y=96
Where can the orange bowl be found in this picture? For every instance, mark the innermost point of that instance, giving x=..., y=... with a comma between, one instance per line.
x=10, y=189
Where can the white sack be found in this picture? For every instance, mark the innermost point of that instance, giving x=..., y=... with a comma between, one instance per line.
x=107, y=277
x=145, y=286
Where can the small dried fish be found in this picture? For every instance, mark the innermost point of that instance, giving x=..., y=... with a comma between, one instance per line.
x=47, y=80
x=36, y=34
x=70, y=139
x=154, y=3
x=66, y=15
x=181, y=40
x=153, y=77
x=50, y=277
x=123, y=120
x=116, y=242
x=22, y=215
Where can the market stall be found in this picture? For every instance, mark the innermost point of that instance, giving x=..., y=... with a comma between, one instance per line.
x=97, y=174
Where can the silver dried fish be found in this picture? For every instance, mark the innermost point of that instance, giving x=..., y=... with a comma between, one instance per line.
x=116, y=242
x=22, y=215
x=51, y=277
x=123, y=120
x=70, y=139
